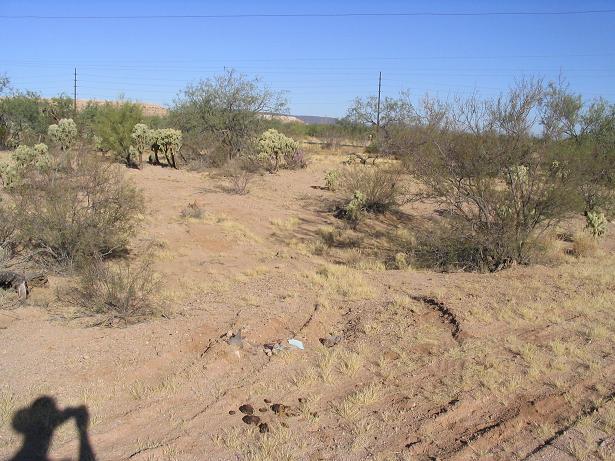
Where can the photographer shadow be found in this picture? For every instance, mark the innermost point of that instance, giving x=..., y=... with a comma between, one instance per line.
x=38, y=422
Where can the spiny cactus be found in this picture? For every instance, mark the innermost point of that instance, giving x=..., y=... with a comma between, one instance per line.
x=276, y=150
x=354, y=209
x=141, y=141
x=596, y=223
x=332, y=179
x=64, y=134
x=167, y=141
x=24, y=158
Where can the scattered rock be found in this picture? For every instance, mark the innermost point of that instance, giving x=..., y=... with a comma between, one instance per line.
x=232, y=412
x=301, y=399
x=272, y=348
x=263, y=409
x=608, y=443
x=278, y=408
x=266, y=400
x=296, y=343
x=251, y=419
x=247, y=409
x=263, y=427
x=330, y=341
x=235, y=339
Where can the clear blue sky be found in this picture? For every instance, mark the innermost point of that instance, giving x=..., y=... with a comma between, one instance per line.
x=323, y=62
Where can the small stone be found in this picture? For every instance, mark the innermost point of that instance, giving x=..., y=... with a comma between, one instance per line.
x=232, y=412
x=266, y=400
x=251, y=419
x=263, y=409
x=263, y=427
x=277, y=408
x=301, y=400
x=284, y=424
x=247, y=409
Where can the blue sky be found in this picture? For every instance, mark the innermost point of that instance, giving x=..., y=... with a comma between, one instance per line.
x=323, y=63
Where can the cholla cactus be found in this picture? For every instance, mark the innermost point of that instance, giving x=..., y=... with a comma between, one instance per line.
x=141, y=141
x=332, y=179
x=24, y=158
x=354, y=209
x=596, y=223
x=168, y=141
x=519, y=174
x=98, y=143
x=64, y=133
x=275, y=149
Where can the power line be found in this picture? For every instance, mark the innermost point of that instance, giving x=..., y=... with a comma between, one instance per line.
x=320, y=15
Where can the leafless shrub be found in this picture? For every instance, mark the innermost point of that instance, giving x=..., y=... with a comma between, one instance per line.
x=192, y=210
x=239, y=174
x=117, y=290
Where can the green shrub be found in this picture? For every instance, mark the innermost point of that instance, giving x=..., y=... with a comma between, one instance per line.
x=276, y=151
x=225, y=112
x=114, y=123
x=64, y=134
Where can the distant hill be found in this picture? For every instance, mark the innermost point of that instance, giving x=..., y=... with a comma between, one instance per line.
x=150, y=109
x=316, y=119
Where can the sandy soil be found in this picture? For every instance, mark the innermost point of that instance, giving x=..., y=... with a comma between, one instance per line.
x=512, y=365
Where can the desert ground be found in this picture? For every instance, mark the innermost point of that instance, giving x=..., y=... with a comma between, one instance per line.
x=415, y=365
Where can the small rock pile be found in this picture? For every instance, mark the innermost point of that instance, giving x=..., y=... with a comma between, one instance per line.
x=278, y=409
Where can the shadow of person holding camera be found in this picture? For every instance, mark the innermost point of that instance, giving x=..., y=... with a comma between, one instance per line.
x=37, y=424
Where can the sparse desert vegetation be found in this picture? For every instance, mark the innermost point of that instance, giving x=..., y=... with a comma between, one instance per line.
x=422, y=280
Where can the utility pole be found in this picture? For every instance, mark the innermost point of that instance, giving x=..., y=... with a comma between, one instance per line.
x=75, y=93
x=378, y=109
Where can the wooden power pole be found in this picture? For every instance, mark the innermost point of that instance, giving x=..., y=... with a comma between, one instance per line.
x=378, y=108
x=75, y=93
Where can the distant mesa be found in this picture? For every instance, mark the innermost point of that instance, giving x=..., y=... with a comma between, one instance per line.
x=151, y=109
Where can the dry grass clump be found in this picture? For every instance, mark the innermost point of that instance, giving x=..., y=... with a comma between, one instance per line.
x=584, y=245
x=118, y=291
x=342, y=281
x=381, y=187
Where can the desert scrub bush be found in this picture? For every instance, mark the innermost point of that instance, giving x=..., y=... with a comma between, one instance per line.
x=596, y=223
x=141, y=141
x=113, y=124
x=332, y=179
x=276, y=151
x=166, y=141
x=64, y=134
x=117, y=290
x=502, y=185
x=377, y=189
x=225, y=111
x=85, y=208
